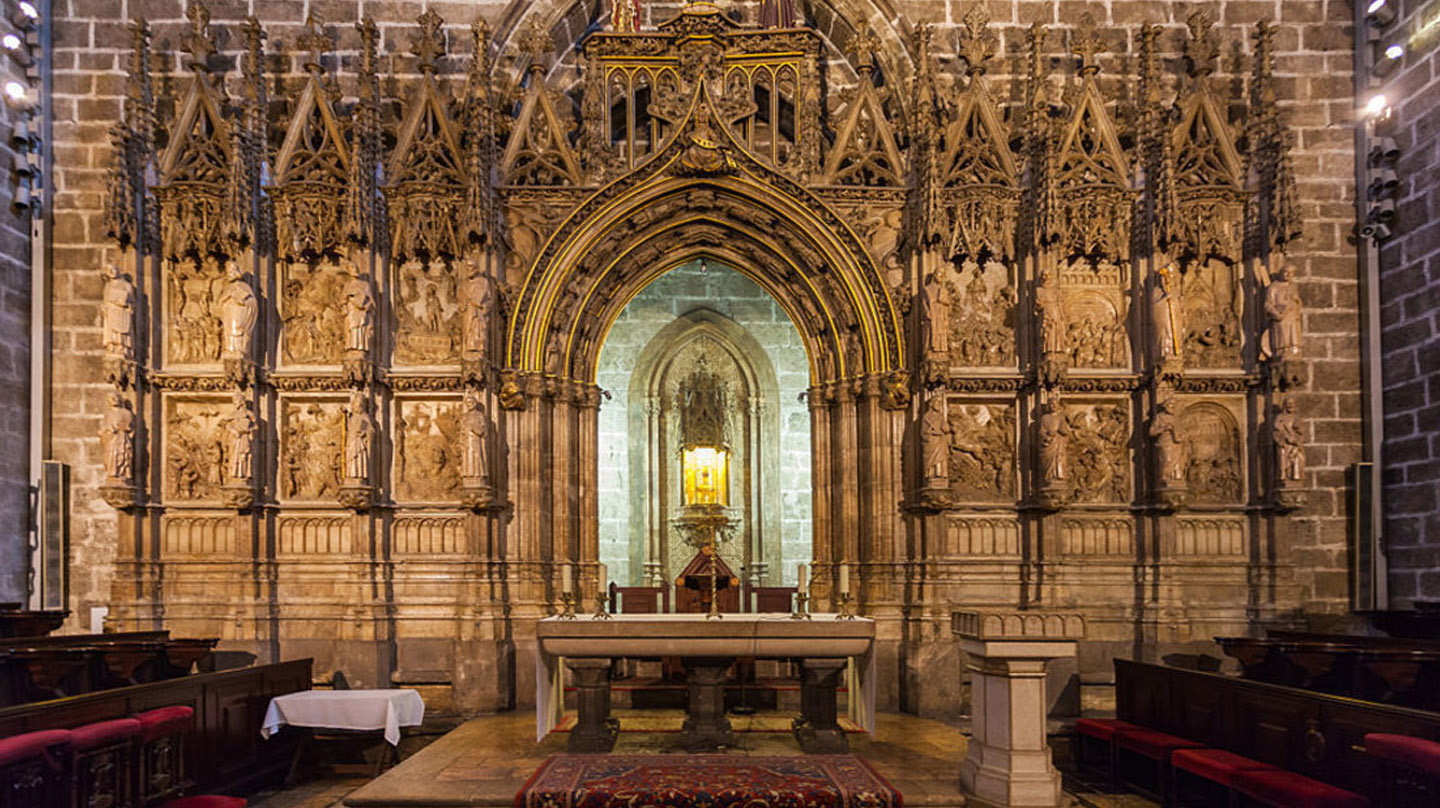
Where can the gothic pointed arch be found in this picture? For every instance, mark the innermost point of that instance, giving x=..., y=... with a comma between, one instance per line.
x=539, y=151
x=865, y=150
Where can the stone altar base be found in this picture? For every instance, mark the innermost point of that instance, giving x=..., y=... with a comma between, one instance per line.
x=486, y=760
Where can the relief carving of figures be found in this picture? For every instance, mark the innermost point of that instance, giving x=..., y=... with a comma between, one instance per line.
x=1164, y=316
x=196, y=447
x=1289, y=445
x=1054, y=442
x=359, y=439
x=311, y=460
x=1050, y=313
x=427, y=326
x=936, y=309
x=475, y=470
x=1213, y=454
x=1212, y=320
x=1283, y=313
x=983, y=335
x=195, y=327
x=240, y=428
x=1170, y=444
x=117, y=441
x=430, y=450
x=1095, y=332
x=117, y=319
x=982, y=452
x=1096, y=452
x=935, y=438
x=313, y=322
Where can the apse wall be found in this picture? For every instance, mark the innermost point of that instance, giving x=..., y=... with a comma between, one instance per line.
x=665, y=301
x=14, y=359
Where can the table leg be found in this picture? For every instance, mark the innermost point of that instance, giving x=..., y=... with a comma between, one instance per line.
x=817, y=729
x=595, y=730
x=706, y=726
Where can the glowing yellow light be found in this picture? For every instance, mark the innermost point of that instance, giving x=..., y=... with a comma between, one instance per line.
x=706, y=473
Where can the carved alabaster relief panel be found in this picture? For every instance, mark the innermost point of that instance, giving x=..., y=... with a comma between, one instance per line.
x=428, y=448
x=982, y=316
x=1212, y=309
x=1097, y=537
x=192, y=293
x=1095, y=301
x=312, y=311
x=208, y=538
x=197, y=449
x=1097, y=450
x=1210, y=537
x=312, y=437
x=1214, y=452
x=319, y=535
x=429, y=536
x=984, y=537
x=982, y=451
x=425, y=314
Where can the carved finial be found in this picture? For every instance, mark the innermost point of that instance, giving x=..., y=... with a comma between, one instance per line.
x=197, y=42
x=428, y=43
x=480, y=45
x=369, y=45
x=1265, y=60
x=314, y=40
x=1035, y=38
x=1085, y=43
x=1201, y=50
x=254, y=47
x=1149, y=69
x=977, y=43
x=865, y=46
x=537, y=42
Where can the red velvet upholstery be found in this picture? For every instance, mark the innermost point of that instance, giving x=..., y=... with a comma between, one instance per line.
x=1417, y=753
x=1283, y=789
x=103, y=733
x=31, y=744
x=1215, y=765
x=165, y=721
x=206, y=801
x=1151, y=743
x=1101, y=729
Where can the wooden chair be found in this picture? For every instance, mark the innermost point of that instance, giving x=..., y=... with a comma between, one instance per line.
x=639, y=599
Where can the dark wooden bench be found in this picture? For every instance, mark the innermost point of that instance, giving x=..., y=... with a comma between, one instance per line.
x=1392, y=670
x=20, y=623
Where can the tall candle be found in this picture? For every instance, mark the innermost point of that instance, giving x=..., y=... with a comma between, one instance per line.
x=844, y=578
x=567, y=579
x=800, y=577
x=601, y=578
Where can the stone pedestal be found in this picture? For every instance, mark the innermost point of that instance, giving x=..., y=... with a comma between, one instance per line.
x=706, y=726
x=1008, y=762
x=595, y=730
x=817, y=729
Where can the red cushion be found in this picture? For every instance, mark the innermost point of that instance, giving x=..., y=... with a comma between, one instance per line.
x=1215, y=765
x=1417, y=753
x=1152, y=743
x=103, y=733
x=1102, y=729
x=206, y=801
x=165, y=721
x=31, y=744
x=1283, y=789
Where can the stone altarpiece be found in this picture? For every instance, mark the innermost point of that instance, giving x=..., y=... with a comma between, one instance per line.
x=1051, y=332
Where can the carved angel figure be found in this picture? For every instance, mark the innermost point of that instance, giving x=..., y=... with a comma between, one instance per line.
x=1054, y=441
x=477, y=298
x=1283, y=313
x=935, y=436
x=1289, y=445
x=476, y=426
x=359, y=315
x=117, y=438
x=240, y=427
x=117, y=312
x=238, y=313
x=1170, y=449
x=1050, y=311
x=1164, y=314
x=936, y=308
x=359, y=435
x=625, y=16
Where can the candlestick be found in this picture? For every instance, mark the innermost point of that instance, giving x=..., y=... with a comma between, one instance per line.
x=567, y=611
x=601, y=595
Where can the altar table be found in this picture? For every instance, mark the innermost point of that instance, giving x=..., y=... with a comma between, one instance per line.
x=825, y=646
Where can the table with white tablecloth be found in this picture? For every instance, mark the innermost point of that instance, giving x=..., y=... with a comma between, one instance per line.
x=349, y=710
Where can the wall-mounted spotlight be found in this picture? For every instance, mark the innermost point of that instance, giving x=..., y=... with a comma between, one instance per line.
x=1376, y=230
x=1377, y=106
x=1383, y=150
x=1387, y=60
x=1378, y=13
x=1383, y=181
x=27, y=15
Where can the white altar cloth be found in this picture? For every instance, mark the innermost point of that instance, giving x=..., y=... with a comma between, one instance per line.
x=764, y=636
x=357, y=710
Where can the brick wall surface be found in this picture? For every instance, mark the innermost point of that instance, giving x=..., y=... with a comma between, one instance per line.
x=1314, y=68
x=1410, y=300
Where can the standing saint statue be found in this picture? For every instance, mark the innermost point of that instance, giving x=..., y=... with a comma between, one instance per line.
x=1289, y=446
x=1283, y=313
x=1050, y=311
x=936, y=308
x=1164, y=314
x=624, y=16
x=1169, y=447
x=359, y=315
x=359, y=435
x=476, y=426
x=240, y=431
x=935, y=438
x=777, y=13
x=117, y=439
x=117, y=314
x=238, y=312
x=477, y=298
x=1054, y=441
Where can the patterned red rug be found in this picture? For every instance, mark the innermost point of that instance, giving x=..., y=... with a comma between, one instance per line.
x=706, y=781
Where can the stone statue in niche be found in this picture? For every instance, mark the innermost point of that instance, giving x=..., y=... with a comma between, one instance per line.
x=1212, y=322
x=117, y=320
x=429, y=451
x=935, y=307
x=625, y=16
x=359, y=328
x=1054, y=444
x=477, y=308
x=427, y=326
x=1164, y=317
x=984, y=333
x=1289, y=445
x=1283, y=313
x=1050, y=313
x=312, y=320
x=117, y=440
x=1213, y=456
x=1170, y=447
x=311, y=461
x=359, y=439
x=239, y=311
x=240, y=431
x=982, y=452
x=194, y=327
x=935, y=439
x=475, y=424
x=1096, y=453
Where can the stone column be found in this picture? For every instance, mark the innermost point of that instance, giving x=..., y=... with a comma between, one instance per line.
x=595, y=730
x=706, y=726
x=817, y=730
x=1008, y=762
